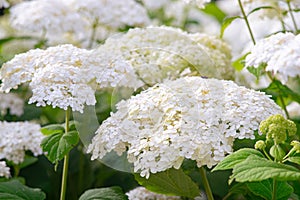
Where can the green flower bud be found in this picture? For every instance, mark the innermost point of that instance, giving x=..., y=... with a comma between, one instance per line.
x=296, y=146
x=276, y=127
x=261, y=145
x=277, y=152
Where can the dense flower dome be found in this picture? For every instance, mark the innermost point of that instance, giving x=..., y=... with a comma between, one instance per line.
x=18, y=137
x=280, y=54
x=159, y=53
x=191, y=117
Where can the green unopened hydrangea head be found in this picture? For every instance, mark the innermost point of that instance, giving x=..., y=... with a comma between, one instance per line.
x=296, y=146
x=261, y=145
x=276, y=127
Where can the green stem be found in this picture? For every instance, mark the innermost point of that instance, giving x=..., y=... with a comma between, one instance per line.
x=284, y=107
x=16, y=170
x=274, y=189
x=66, y=162
x=280, y=97
x=292, y=15
x=266, y=154
x=93, y=34
x=206, y=184
x=81, y=167
x=247, y=22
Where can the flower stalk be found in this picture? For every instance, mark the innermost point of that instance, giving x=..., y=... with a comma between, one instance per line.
x=247, y=22
x=206, y=184
x=66, y=161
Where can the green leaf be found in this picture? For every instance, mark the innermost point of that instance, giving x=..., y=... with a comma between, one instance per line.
x=226, y=22
x=264, y=189
x=276, y=88
x=257, y=71
x=9, y=39
x=58, y=145
x=238, y=64
x=15, y=190
x=235, y=158
x=29, y=160
x=213, y=10
x=255, y=168
x=52, y=129
x=260, y=8
x=294, y=159
x=170, y=182
x=112, y=193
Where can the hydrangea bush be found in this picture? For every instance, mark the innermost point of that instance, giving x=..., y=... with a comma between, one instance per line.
x=145, y=99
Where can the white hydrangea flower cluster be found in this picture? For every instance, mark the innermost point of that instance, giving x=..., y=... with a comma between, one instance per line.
x=63, y=76
x=281, y=53
x=158, y=53
x=4, y=170
x=18, y=137
x=12, y=102
x=43, y=16
x=219, y=52
x=199, y=3
x=75, y=20
x=191, y=117
x=141, y=193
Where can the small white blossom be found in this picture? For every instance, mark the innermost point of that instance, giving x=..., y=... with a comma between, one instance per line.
x=141, y=193
x=18, y=137
x=158, y=53
x=12, y=102
x=4, y=170
x=190, y=117
x=280, y=52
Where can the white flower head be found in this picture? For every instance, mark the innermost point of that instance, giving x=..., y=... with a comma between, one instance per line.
x=159, y=53
x=12, y=102
x=43, y=16
x=141, y=193
x=59, y=76
x=280, y=52
x=191, y=117
x=4, y=170
x=18, y=137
